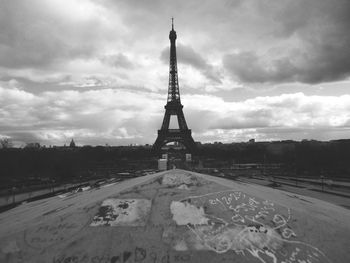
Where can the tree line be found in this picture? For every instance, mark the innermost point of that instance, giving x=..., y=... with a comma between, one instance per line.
x=38, y=164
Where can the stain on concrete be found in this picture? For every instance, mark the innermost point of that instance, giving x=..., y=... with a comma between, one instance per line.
x=56, y=210
x=180, y=180
x=122, y=212
x=299, y=197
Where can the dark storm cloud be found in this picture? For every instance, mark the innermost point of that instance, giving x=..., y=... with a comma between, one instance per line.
x=90, y=69
x=248, y=68
x=322, y=55
x=117, y=61
x=33, y=35
x=23, y=136
x=188, y=56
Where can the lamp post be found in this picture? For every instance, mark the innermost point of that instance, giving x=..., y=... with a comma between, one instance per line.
x=13, y=194
x=322, y=182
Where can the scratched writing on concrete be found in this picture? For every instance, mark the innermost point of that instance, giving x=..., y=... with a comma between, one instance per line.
x=233, y=220
x=138, y=255
x=249, y=210
x=58, y=230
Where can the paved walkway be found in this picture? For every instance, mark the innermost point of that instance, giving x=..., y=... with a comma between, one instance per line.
x=176, y=216
x=334, y=197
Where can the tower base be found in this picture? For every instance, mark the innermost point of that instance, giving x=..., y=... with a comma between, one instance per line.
x=175, y=135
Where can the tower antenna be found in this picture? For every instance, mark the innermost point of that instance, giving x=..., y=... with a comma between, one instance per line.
x=172, y=23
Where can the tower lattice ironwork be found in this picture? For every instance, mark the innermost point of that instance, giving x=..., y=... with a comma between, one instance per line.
x=174, y=107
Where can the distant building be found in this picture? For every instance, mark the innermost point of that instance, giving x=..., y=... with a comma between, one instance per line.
x=72, y=143
x=252, y=140
x=162, y=164
x=33, y=145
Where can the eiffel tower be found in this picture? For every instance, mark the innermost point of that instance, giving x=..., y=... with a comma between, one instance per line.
x=174, y=107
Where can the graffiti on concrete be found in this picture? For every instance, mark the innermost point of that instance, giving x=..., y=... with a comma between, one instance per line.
x=179, y=180
x=233, y=220
x=122, y=212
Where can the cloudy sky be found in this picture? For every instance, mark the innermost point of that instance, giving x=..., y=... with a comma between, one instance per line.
x=97, y=70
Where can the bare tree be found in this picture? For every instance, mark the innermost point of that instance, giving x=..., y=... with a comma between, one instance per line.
x=6, y=143
x=33, y=145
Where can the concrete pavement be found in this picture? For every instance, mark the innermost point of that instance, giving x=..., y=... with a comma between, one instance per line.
x=176, y=216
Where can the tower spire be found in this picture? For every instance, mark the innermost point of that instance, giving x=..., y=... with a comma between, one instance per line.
x=173, y=88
